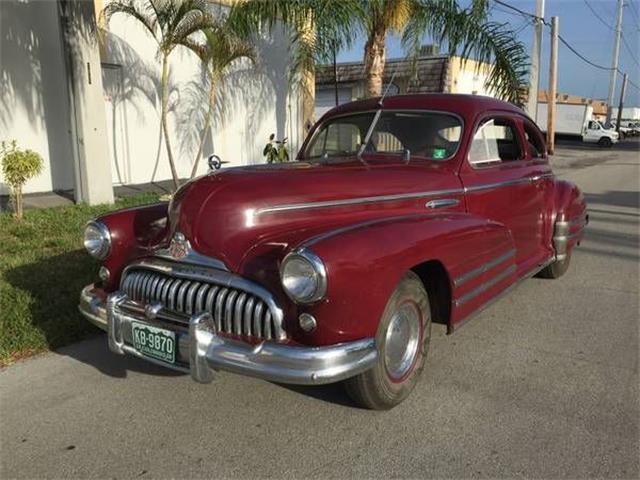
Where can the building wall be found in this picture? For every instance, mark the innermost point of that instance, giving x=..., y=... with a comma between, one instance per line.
x=254, y=101
x=34, y=97
x=466, y=77
x=628, y=113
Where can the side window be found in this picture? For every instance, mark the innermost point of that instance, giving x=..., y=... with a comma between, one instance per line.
x=495, y=141
x=337, y=138
x=535, y=144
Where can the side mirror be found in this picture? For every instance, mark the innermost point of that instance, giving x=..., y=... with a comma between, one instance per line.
x=214, y=162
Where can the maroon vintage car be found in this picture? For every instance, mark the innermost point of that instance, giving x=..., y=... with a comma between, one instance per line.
x=333, y=267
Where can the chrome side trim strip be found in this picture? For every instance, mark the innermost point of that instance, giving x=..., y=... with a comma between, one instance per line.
x=502, y=294
x=462, y=279
x=485, y=286
x=393, y=197
x=356, y=201
x=442, y=203
x=491, y=186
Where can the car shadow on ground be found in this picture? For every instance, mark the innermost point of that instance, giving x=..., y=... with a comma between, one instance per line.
x=52, y=286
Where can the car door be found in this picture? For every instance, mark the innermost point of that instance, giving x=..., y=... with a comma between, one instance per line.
x=501, y=183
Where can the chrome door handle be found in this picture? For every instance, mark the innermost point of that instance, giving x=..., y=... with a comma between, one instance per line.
x=444, y=202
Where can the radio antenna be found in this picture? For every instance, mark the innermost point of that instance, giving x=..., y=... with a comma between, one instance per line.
x=386, y=90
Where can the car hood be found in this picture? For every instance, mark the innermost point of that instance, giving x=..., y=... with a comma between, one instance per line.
x=236, y=213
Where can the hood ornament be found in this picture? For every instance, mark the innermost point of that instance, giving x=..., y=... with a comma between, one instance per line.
x=180, y=250
x=179, y=246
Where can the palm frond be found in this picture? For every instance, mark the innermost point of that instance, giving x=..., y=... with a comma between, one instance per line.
x=470, y=35
x=134, y=9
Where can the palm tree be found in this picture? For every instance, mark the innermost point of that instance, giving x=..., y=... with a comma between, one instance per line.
x=223, y=46
x=466, y=29
x=319, y=27
x=171, y=23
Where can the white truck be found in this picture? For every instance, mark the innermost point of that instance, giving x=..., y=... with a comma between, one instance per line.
x=577, y=121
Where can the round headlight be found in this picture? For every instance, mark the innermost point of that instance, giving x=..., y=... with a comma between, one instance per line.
x=97, y=240
x=303, y=276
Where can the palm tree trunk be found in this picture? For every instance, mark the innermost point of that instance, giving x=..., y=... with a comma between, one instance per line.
x=308, y=99
x=165, y=100
x=207, y=123
x=374, y=58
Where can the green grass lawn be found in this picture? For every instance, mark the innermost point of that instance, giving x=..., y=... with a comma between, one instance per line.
x=43, y=267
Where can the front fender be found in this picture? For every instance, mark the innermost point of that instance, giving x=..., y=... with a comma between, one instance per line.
x=135, y=232
x=365, y=262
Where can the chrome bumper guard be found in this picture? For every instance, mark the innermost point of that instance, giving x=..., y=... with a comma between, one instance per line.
x=202, y=352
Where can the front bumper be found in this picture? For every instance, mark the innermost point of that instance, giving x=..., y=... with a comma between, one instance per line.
x=201, y=351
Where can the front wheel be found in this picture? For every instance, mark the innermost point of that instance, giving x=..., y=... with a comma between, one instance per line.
x=402, y=339
x=605, y=142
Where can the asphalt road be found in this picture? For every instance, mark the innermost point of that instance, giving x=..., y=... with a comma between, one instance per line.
x=542, y=384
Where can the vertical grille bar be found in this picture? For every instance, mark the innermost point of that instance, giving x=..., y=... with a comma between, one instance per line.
x=228, y=311
x=235, y=311
x=248, y=315
x=237, y=318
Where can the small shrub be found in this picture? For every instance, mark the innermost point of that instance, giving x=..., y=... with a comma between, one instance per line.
x=18, y=166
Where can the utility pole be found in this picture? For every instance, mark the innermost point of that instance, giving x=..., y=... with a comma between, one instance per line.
x=622, y=91
x=553, y=87
x=536, y=53
x=614, y=61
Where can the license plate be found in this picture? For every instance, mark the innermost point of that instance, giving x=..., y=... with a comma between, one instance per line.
x=154, y=342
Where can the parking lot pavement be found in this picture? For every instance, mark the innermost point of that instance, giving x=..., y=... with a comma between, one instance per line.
x=542, y=384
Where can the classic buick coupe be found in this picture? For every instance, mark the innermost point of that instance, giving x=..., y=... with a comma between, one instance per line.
x=396, y=214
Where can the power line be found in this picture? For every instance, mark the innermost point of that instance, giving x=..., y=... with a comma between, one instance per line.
x=567, y=44
x=597, y=15
x=521, y=12
x=585, y=59
x=631, y=53
x=633, y=11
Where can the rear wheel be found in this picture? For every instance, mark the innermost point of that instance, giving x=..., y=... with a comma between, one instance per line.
x=402, y=339
x=556, y=269
x=605, y=142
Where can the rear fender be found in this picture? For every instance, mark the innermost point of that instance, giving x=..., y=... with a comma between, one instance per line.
x=364, y=263
x=569, y=219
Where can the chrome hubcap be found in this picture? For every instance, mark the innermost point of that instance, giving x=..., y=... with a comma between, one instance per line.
x=402, y=340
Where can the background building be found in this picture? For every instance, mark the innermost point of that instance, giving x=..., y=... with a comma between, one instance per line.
x=92, y=109
x=431, y=73
x=599, y=106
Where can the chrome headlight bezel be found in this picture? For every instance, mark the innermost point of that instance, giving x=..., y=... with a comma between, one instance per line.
x=102, y=250
x=306, y=258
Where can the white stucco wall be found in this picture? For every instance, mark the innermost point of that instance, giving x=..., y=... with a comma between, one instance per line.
x=34, y=101
x=253, y=102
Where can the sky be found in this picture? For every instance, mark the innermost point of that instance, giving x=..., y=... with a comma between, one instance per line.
x=590, y=36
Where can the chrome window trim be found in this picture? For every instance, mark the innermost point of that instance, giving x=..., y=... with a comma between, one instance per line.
x=464, y=278
x=497, y=162
x=392, y=110
x=222, y=278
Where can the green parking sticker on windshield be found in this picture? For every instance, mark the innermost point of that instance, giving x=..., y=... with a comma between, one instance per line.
x=438, y=153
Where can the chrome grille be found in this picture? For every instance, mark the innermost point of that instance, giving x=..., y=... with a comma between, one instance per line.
x=235, y=311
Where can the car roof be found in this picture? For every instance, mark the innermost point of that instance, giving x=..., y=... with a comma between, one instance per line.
x=467, y=106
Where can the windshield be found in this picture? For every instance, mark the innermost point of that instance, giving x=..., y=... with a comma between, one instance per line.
x=430, y=135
